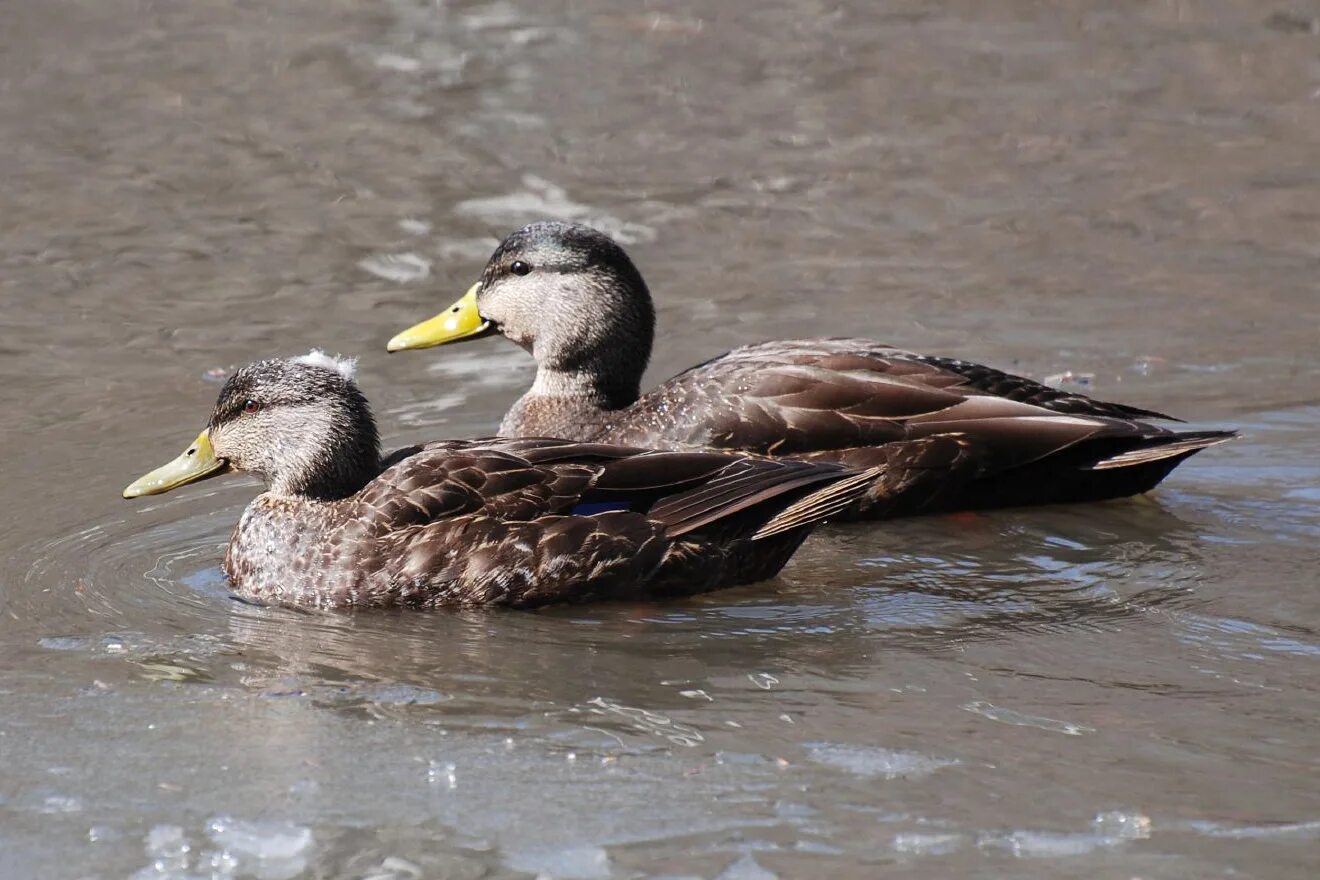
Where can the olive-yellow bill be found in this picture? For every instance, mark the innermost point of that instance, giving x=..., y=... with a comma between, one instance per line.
x=197, y=462
x=459, y=322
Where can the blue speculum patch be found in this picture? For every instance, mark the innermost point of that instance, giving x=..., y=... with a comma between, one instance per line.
x=600, y=507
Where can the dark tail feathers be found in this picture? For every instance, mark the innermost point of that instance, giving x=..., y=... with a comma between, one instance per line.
x=1159, y=448
x=767, y=496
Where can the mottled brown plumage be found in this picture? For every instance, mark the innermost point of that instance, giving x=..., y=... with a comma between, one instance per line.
x=512, y=522
x=577, y=303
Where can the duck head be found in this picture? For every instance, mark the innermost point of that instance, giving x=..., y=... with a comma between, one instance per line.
x=299, y=424
x=566, y=293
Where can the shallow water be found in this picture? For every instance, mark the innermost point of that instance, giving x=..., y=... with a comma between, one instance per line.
x=1119, y=194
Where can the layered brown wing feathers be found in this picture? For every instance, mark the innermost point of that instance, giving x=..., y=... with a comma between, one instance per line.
x=828, y=399
x=498, y=521
x=446, y=480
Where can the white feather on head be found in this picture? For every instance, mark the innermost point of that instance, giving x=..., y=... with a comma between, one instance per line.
x=344, y=366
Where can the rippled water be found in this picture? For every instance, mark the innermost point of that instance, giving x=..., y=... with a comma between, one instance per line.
x=1117, y=194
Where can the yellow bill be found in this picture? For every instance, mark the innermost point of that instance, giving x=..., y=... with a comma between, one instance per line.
x=458, y=322
x=197, y=462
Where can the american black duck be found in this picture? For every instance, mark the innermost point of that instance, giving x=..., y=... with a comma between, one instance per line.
x=516, y=522
x=571, y=297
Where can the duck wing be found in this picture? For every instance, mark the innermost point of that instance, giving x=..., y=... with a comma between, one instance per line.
x=869, y=356
x=450, y=479
x=836, y=400
x=795, y=398
x=988, y=380
x=503, y=521
x=691, y=490
x=527, y=478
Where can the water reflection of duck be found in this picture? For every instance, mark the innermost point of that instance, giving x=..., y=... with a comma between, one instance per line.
x=497, y=522
x=573, y=298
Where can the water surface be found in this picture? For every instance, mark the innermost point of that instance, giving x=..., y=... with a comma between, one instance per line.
x=1122, y=196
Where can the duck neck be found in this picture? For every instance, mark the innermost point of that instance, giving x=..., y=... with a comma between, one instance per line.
x=572, y=405
x=334, y=483
x=606, y=385
x=337, y=453
x=602, y=360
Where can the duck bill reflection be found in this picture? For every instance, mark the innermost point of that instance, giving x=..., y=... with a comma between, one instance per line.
x=197, y=462
x=459, y=322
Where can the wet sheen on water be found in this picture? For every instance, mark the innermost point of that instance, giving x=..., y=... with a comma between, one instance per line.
x=1121, y=197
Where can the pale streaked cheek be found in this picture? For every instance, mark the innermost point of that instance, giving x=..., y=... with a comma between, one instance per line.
x=222, y=444
x=246, y=443
x=227, y=443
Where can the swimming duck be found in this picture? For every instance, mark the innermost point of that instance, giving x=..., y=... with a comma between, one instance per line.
x=515, y=522
x=571, y=297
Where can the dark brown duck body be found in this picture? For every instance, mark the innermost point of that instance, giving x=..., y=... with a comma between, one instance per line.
x=512, y=522
x=950, y=434
x=494, y=523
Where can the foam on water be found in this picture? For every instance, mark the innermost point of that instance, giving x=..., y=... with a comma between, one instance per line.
x=1048, y=844
x=402, y=268
x=571, y=863
x=541, y=198
x=258, y=849
x=1022, y=719
x=872, y=761
x=1302, y=830
x=919, y=843
x=746, y=868
x=264, y=840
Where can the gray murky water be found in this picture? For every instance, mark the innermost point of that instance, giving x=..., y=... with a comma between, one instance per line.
x=1127, y=190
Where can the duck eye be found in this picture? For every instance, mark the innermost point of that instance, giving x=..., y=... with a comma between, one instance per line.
x=518, y=267
x=250, y=406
